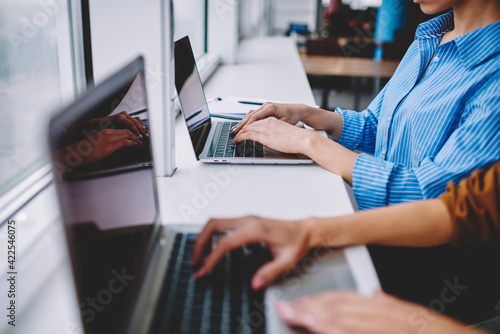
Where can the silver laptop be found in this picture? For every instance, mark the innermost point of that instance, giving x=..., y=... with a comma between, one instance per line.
x=132, y=274
x=212, y=138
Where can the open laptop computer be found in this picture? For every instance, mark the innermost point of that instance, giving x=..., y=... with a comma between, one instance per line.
x=117, y=111
x=133, y=275
x=212, y=138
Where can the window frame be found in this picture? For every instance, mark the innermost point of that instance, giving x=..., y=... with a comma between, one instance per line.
x=208, y=62
x=33, y=184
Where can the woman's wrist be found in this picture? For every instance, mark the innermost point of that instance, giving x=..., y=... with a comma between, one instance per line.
x=337, y=125
x=310, y=230
x=321, y=119
x=307, y=141
x=305, y=112
x=327, y=232
x=342, y=231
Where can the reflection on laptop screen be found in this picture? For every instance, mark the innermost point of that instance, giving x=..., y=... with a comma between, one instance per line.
x=114, y=136
x=107, y=195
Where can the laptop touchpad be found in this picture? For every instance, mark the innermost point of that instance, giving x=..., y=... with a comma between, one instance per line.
x=320, y=271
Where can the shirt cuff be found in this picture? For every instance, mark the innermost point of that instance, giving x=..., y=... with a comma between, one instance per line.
x=370, y=179
x=352, y=128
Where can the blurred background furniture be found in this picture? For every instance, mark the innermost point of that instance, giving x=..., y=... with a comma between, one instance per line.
x=330, y=72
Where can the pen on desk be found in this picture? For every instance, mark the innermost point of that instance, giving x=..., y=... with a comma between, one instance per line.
x=235, y=118
x=214, y=99
x=252, y=103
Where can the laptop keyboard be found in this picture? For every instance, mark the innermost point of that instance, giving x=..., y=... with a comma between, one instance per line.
x=225, y=148
x=221, y=302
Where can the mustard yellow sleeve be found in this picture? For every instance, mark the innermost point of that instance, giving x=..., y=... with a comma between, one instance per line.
x=474, y=208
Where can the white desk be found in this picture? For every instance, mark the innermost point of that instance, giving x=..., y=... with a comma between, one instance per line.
x=268, y=68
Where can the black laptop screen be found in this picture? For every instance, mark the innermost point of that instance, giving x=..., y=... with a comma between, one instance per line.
x=105, y=179
x=188, y=84
x=191, y=95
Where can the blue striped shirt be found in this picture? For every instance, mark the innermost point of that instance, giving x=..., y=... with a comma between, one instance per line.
x=435, y=121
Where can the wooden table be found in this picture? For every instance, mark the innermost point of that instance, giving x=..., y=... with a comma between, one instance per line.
x=337, y=66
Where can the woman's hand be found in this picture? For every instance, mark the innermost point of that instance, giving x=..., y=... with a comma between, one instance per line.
x=286, y=112
x=288, y=241
x=284, y=137
x=97, y=147
x=276, y=135
x=124, y=121
x=349, y=312
x=316, y=118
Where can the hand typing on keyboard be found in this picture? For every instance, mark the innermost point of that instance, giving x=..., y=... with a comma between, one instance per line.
x=336, y=311
x=288, y=241
x=277, y=135
x=290, y=113
x=221, y=302
x=226, y=148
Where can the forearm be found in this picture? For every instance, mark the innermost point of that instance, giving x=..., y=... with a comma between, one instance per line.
x=84, y=129
x=324, y=120
x=329, y=154
x=417, y=224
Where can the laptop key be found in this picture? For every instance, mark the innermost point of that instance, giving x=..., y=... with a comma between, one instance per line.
x=229, y=153
x=249, y=148
x=213, y=144
x=240, y=149
x=257, y=257
x=217, y=280
x=257, y=316
x=236, y=289
x=259, y=150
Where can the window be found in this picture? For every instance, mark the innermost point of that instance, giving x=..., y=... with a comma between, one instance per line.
x=36, y=79
x=190, y=19
x=254, y=18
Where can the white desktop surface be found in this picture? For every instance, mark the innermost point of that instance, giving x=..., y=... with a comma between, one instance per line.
x=267, y=68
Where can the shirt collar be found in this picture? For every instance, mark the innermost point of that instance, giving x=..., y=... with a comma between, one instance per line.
x=473, y=47
x=479, y=45
x=436, y=27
